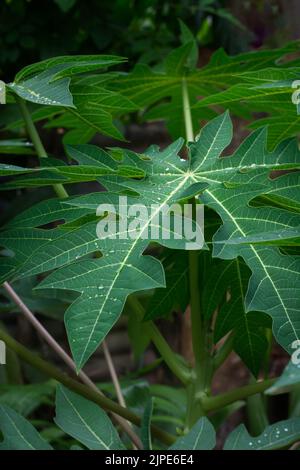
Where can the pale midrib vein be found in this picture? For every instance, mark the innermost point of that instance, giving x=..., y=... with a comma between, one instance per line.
x=234, y=98
x=213, y=141
x=17, y=430
x=199, y=435
x=34, y=94
x=84, y=422
x=125, y=260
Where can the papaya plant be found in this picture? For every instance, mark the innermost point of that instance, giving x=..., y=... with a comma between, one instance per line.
x=241, y=285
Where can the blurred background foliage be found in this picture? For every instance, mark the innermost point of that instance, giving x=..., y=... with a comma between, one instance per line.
x=142, y=30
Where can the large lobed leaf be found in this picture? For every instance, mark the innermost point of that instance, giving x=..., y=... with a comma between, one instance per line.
x=228, y=185
x=233, y=83
x=84, y=104
x=47, y=82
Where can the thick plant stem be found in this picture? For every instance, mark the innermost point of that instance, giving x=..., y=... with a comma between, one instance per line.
x=195, y=313
x=87, y=392
x=31, y=129
x=198, y=330
x=178, y=367
x=256, y=412
x=217, y=402
x=257, y=418
x=187, y=112
x=64, y=356
x=35, y=138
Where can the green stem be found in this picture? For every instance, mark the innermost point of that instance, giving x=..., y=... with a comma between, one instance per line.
x=217, y=402
x=175, y=364
x=35, y=138
x=199, y=328
x=187, y=112
x=87, y=392
x=256, y=414
x=266, y=364
x=196, y=319
x=198, y=336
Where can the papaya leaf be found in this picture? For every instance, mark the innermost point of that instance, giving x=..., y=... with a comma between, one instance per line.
x=47, y=82
x=228, y=185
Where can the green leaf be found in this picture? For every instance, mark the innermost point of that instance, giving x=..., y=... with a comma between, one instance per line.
x=139, y=334
x=69, y=66
x=97, y=109
x=16, y=147
x=279, y=127
x=176, y=291
x=41, y=90
x=96, y=163
x=85, y=421
x=47, y=82
x=159, y=91
x=268, y=289
x=6, y=170
x=18, y=433
x=255, y=97
x=276, y=436
x=202, y=436
x=227, y=185
x=145, y=87
x=65, y=5
x=45, y=212
x=96, y=106
x=284, y=192
x=188, y=37
x=26, y=398
x=249, y=341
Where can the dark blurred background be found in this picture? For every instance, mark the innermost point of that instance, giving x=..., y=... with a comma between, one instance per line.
x=142, y=30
